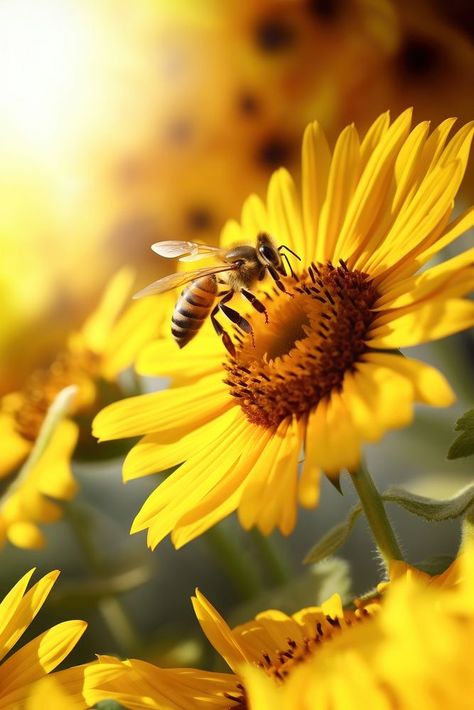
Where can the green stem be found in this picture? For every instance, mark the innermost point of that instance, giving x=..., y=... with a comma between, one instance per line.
x=109, y=606
x=376, y=516
x=55, y=414
x=276, y=566
x=235, y=564
x=467, y=536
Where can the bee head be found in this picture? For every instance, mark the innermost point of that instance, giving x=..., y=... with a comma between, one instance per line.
x=268, y=254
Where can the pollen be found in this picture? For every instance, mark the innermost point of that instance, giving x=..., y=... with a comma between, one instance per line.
x=30, y=407
x=317, y=331
x=279, y=663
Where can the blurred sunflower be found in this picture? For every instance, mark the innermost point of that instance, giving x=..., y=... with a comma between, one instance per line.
x=323, y=374
x=324, y=656
x=272, y=640
x=106, y=345
x=20, y=672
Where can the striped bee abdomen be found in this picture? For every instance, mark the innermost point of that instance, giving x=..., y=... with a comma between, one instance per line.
x=192, y=308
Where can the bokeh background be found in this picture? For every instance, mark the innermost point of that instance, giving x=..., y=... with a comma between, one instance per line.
x=123, y=122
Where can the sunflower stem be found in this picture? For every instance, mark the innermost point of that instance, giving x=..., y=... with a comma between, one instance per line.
x=234, y=562
x=374, y=510
x=110, y=607
x=277, y=568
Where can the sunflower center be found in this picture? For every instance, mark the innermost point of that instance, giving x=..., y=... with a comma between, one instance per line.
x=315, y=334
x=29, y=408
x=280, y=663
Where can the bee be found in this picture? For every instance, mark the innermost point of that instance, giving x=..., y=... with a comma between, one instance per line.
x=238, y=270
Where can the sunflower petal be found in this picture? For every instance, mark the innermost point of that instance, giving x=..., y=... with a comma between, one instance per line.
x=430, y=321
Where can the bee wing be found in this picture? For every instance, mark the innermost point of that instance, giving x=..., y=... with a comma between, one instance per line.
x=167, y=283
x=185, y=251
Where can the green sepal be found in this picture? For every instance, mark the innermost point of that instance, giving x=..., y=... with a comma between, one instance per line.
x=108, y=705
x=336, y=482
x=435, y=565
x=334, y=538
x=464, y=445
x=431, y=508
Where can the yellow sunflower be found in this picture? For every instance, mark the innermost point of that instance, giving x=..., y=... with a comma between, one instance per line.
x=24, y=668
x=415, y=653
x=321, y=656
x=107, y=344
x=323, y=375
x=272, y=640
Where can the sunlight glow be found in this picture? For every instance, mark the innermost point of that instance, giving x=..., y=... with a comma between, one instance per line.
x=42, y=48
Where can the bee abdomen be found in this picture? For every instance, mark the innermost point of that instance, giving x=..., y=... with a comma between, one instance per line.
x=192, y=309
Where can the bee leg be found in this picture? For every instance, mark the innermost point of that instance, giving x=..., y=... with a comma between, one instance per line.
x=278, y=282
x=228, y=344
x=234, y=316
x=258, y=305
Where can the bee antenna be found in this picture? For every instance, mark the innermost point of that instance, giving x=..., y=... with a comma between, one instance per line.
x=283, y=246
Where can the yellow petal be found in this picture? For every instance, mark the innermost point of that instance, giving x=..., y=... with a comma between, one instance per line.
x=454, y=277
x=342, y=182
x=198, y=359
x=218, y=632
x=58, y=690
x=429, y=385
x=138, y=685
x=278, y=496
x=96, y=330
x=26, y=536
x=316, y=160
x=374, y=135
x=52, y=474
x=370, y=194
x=285, y=223
x=15, y=448
x=158, y=452
x=192, y=482
x=335, y=439
x=435, y=319
x=18, y=609
x=251, y=501
x=417, y=219
x=226, y=495
x=39, y=657
x=142, y=321
x=388, y=393
x=163, y=411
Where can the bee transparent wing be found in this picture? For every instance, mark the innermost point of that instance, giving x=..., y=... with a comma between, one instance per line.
x=185, y=251
x=167, y=283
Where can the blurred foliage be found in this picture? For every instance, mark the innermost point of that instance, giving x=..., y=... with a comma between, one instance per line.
x=464, y=444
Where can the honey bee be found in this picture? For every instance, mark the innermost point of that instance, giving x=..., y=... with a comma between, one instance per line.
x=240, y=268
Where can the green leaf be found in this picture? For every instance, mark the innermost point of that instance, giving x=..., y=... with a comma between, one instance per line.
x=431, y=508
x=333, y=539
x=464, y=445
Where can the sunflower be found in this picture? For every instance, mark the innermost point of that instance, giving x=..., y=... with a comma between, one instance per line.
x=324, y=375
x=273, y=641
x=106, y=345
x=415, y=653
x=24, y=668
x=324, y=656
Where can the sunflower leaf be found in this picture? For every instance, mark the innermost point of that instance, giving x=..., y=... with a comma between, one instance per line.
x=431, y=508
x=333, y=539
x=464, y=445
